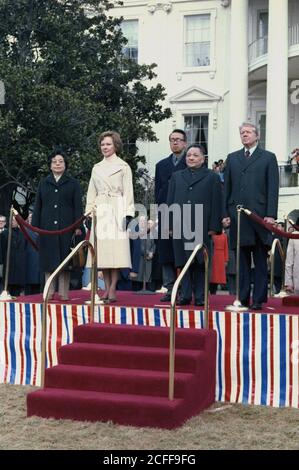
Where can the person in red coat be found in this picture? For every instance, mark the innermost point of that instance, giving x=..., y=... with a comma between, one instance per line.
x=219, y=261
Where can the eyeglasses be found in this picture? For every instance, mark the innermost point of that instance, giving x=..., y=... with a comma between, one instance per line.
x=176, y=140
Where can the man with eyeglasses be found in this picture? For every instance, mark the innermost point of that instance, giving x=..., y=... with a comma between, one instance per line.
x=164, y=169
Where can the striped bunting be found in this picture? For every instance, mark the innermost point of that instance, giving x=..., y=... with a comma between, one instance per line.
x=257, y=358
x=257, y=354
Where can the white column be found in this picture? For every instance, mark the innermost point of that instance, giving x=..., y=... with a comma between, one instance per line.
x=238, y=70
x=277, y=80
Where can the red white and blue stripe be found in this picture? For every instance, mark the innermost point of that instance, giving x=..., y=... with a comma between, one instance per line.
x=257, y=354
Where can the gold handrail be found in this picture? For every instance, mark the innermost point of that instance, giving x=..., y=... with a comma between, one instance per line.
x=276, y=244
x=173, y=311
x=46, y=297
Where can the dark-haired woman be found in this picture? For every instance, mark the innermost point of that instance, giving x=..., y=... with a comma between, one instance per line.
x=110, y=191
x=58, y=204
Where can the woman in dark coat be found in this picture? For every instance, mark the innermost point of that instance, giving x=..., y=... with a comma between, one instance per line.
x=191, y=189
x=58, y=204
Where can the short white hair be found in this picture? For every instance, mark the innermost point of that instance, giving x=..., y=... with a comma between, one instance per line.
x=249, y=124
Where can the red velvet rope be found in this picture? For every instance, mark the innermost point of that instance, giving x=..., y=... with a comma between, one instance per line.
x=28, y=238
x=41, y=231
x=271, y=227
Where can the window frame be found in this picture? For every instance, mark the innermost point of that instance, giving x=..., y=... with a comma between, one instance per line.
x=137, y=20
x=200, y=68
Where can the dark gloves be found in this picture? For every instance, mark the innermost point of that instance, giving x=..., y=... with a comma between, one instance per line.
x=126, y=221
x=88, y=222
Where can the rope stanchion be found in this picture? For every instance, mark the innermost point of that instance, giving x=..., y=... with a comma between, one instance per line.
x=237, y=305
x=5, y=295
x=268, y=226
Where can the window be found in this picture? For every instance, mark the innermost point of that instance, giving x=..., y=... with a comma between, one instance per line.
x=262, y=24
x=197, y=40
x=130, y=31
x=197, y=130
x=262, y=125
x=262, y=32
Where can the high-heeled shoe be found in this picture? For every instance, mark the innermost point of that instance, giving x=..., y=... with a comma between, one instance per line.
x=104, y=296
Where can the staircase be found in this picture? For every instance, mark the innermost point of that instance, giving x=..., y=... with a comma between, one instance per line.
x=119, y=373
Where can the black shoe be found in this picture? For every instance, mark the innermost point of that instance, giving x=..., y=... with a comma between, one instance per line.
x=199, y=303
x=256, y=306
x=166, y=298
x=183, y=301
x=245, y=303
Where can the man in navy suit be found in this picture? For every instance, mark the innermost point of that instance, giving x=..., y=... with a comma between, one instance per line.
x=164, y=170
x=251, y=180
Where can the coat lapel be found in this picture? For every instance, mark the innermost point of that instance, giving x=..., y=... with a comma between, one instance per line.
x=63, y=179
x=106, y=170
x=254, y=157
x=189, y=179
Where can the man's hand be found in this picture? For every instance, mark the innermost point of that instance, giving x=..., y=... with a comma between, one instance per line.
x=226, y=222
x=212, y=232
x=78, y=232
x=269, y=220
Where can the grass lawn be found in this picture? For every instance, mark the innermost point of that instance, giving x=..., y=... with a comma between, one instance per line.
x=224, y=426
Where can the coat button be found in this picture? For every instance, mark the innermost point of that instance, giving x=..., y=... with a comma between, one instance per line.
x=55, y=222
x=55, y=206
x=190, y=188
x=189, y=202
x=56, y=190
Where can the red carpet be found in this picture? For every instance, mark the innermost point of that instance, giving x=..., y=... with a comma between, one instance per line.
x=119, y=373
x=291, y=301
x=129, y=299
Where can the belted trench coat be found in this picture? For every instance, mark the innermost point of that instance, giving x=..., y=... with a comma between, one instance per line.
x=110, y=191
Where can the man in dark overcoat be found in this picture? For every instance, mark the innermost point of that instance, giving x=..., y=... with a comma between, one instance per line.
x=58, y=204
x=251, y=180
x=164, y=170
x=190, y=189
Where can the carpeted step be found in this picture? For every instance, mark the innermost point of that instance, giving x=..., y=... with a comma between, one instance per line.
x=129, y=357
x=140, y=335
x=104, y=379
x=136, y=410
x=124, y=377
x=291, y=301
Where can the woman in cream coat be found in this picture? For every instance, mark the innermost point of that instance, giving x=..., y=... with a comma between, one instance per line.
x=110, y=191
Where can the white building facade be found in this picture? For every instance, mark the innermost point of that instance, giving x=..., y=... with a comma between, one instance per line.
x=222, y=62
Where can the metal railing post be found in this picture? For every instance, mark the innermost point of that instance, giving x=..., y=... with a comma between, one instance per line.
x=173, y=312
x=51, y=279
